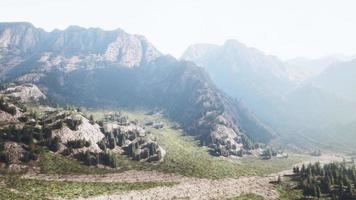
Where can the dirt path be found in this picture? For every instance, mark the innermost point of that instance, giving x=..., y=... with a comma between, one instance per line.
x=202, y=189
x=187, y=187
x=127, y=176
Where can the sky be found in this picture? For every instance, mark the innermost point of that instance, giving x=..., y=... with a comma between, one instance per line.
x=285, y=28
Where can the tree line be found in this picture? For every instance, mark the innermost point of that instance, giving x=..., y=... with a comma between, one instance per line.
x=334, y=180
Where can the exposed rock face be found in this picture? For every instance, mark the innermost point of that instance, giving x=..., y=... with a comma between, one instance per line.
x=22, y=46
x=25, y=93
x=85, y=131
x=130, y=139
x=112, y=68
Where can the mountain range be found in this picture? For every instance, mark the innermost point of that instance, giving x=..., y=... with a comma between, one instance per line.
x=298, y=96
x=224, y=95
x=97, y=68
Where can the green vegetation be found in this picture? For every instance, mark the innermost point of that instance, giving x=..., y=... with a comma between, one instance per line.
x=106, y=158
x=51, y=163
x=14, y=187
x=287, y=190
x=6, y=193
x=77, y=144
x=334, y=180
x=7, y=107
x=247, y=197
x=185, y=156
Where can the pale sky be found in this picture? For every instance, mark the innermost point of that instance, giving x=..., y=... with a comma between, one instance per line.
x=285, y=28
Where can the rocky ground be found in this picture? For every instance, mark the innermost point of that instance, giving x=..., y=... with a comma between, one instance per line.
x=186, y=187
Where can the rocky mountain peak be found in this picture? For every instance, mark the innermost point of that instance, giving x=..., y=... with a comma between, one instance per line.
x=20, y=35
x=115, y=46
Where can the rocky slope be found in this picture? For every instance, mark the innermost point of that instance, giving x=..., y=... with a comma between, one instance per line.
x=25, y=130
x=98, y=68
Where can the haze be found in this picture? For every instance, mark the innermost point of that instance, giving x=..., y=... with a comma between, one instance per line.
x=283, y=28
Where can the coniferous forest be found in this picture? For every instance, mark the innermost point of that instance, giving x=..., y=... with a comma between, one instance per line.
x=333, y=180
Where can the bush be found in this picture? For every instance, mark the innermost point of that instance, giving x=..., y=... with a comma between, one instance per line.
x=58, y=125
x=102, y=145
x=47, y=133
x=54, y=144
x=28, y=156
x=67, y=151
x=5, y=158
x=106, y=158
x=77, y=144
x=6, y=107
x=91, y=119
x=73, y=124
x=109, y=159
x=89, y=158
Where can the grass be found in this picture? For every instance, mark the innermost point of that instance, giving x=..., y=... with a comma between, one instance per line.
x=51, y=163
x=286, y=193
x=184, y=155
x=247, y=197
x=39, y=189
x=6, y=193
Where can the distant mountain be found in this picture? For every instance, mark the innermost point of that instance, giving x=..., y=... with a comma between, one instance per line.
x=339, y=79
x=303, y=69
x=245, y=73
x=98, y=68
x=290, y=96
x=314, y=67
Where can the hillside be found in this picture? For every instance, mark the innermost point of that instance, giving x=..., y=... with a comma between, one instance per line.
x=67, y=152
x=96, y=68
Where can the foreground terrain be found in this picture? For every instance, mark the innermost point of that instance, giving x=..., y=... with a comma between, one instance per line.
x=135, y=184
x=58, y=152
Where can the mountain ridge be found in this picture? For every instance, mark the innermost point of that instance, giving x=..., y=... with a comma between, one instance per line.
x=83, y=67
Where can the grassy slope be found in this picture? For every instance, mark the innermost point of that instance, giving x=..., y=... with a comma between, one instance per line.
x=51, y=163
x=14, y=187
x=186, y=157
x=247, y=197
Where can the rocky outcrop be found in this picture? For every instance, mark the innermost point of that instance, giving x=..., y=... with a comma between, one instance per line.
x=25, y=93
x=130, y=139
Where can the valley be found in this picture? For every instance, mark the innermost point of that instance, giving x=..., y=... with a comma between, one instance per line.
x=187, y=166
x=87, y=113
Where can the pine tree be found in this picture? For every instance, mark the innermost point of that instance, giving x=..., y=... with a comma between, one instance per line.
x=318, y=191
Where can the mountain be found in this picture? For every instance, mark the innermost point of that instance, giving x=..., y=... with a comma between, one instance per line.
x=246, y=73
x=313, y=67
x=338, y=79
x=97, y=68
x=279, y=92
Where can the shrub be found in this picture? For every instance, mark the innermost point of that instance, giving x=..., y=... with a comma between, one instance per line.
x=5, y=158
x=28, y=156
x=54, y=144
x=91, y=119
x=67, y=151
x=77, y=144
x=6, y=107
x=102, y=145
x=58, y=125
x=73, y=124
x=109, y=159
x=106, y=158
